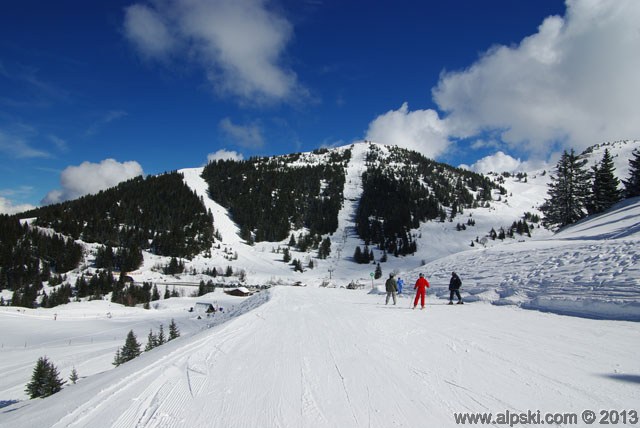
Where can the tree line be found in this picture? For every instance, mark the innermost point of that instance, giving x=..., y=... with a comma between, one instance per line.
x=403, y=189
x=160, y=214
x=575, y=191
x=268, y=197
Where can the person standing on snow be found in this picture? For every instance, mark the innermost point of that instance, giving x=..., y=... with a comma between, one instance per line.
x=454, y=288
x=391, y=287
x=399, y=283
x=421, y=285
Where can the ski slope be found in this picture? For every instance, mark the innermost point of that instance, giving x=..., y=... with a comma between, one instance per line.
x=324, y=357
x=317, y=357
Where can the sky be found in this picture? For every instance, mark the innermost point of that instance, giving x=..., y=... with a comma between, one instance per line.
x=93, y=93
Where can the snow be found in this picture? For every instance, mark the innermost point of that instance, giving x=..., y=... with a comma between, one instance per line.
x=316, y=357
x=550, y=323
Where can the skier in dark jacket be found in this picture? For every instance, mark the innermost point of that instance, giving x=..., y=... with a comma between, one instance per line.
x=454, y=288
x=391, y=288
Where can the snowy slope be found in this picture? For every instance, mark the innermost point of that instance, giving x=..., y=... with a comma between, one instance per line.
x=316, y=357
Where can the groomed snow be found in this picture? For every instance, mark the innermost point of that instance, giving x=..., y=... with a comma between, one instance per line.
x=317, y=357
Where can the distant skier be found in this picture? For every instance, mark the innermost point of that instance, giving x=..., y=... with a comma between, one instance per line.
x=391, y=287
x=454, y=288
x=400, y=283
x=421, y=285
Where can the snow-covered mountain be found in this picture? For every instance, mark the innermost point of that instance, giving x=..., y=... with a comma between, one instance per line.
x=329, y=356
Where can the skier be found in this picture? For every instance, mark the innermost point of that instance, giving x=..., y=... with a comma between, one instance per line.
x=421, y=285
x=454, y=288
x=399, y=283
x=391, y=287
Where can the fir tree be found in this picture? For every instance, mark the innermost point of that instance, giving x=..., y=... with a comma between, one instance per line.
x=155, y=295
x=167, y=294
x=161, y=338
x=73, y=377
x=605, y=190
x=357, y=255
x=117, y=359
x=378, y=272
x=632, y=185
x=173, y=330
x=286, y=256
x=45, y=379
x=151, y=341
x=131, y=348
x=568, y=192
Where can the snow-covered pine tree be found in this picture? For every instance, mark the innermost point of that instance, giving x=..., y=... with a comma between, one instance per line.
x=632, y=185
x=568, y=192
x=174, y=332
x=605, y=190
x=45, y=379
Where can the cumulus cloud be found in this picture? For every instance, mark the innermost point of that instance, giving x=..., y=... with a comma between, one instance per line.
x=248, y=136
x=419, y=130
x=8, y=207
x=238, y=43
x=502, y=162
x=88, y=178
x=574, y=83
x=224, y=154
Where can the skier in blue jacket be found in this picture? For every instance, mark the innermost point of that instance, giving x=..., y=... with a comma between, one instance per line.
x=399, y=283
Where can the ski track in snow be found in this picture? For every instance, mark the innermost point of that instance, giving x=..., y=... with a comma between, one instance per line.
x=314, y=357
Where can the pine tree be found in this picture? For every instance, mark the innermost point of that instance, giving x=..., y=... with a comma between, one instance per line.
x=167, y=294
x=378, y=272
x=568, y=192
x=45, y=379
x=151, y=341
x=605, y=190
x=632, y=185
x=117, y=359
x=73, y=377
x=357, y=255
x=173, y=330
x=161, y=338
x=131, y=348
x=155, y=295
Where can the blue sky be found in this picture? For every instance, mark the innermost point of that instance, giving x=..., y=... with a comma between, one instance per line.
x=92, y=93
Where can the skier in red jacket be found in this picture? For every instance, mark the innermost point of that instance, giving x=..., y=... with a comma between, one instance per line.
x=421, y=285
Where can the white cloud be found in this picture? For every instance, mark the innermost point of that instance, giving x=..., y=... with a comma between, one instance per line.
x=18, y=147
x=88, y=178
x=148, y=31
x=248, y=136
x=574, y=82
x=8, y=207
x=419, y=130
x=502, y=162
x=238, y=43
x=223, y=154
x=498, y=162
